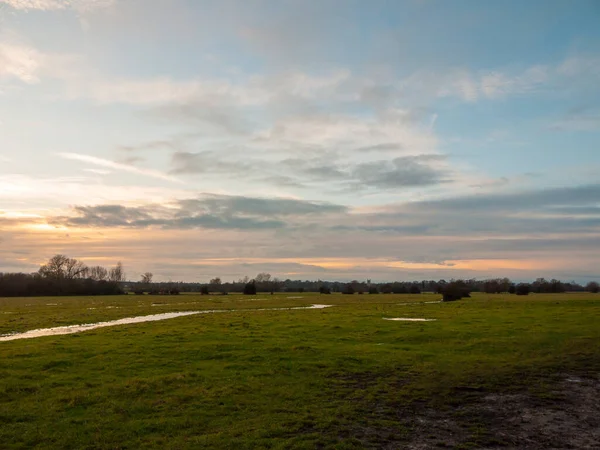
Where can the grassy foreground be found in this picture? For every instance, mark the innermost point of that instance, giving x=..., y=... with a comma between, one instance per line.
x=334, y=378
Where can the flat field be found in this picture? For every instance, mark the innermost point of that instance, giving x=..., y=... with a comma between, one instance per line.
x=493, y=371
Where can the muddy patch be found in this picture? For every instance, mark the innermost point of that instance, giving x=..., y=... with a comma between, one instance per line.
x=568, y=416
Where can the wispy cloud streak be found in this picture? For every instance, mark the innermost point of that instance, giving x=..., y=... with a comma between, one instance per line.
x=118, y=166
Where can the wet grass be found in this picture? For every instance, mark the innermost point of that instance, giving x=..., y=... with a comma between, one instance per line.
x=334, y=378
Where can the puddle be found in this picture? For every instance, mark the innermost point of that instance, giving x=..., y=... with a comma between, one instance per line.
x=574, y=380
x=409, y=319
x=113, y=307
x=70, y=329
x=51, y=304
x=173, y=304
x=91, y=308
x=294, y=297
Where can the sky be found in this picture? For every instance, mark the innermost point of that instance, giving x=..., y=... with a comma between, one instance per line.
x=330, y=139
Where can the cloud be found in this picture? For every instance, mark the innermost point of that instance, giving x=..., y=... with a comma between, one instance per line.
x=54, y=5
x=26, y=64
x=407, y=171
x=383, y=147
x=522, y=234
x=98, y=171
x=151, y=145
x=58, y=192
x=209, y=211
x=330, y=169
x=261, y=206
x=209, y=162
x=577, y=119
x=118, y=166
x=44, y=5
x=553, y=212
x=20, y=62
x=527, y=201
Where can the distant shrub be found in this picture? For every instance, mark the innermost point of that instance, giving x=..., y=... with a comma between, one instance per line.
x=455, y=290
x=512, y=289
x=373, y=290
x=250, y=288
x=414, y=289
x=138, y=292
x=301, y=290
x=204, y=290
x=224, y=293
x=324, y=290
x=399, y=289
x=386, y=288
x=593, y=287
x=523, y=289
x=348, y=290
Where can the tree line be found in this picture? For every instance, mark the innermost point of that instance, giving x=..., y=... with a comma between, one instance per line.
x=264, y=282
x=62, y=275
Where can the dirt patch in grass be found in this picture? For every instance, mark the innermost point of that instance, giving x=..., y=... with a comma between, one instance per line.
x=567, y=415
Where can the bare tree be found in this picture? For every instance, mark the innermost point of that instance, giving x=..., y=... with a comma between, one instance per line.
x=75, y=269
x=215, y=281
x=147, y=278
x=98, y=273
x=61, y=267
x=117, y=273
x=54, y=268
x=263, y=277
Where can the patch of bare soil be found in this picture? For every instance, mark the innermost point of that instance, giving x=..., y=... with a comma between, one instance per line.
x=566, y=417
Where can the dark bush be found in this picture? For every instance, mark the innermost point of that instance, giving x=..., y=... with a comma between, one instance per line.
x=399, y=289
x=250, y=288
x=455, y=290
x=414, y=289
x=512, y=289
x=324, y=290
x=204, y=290
x=593, y=287
x=373, y=290
x=348, y=290
x=386, y=288
x=523, y=289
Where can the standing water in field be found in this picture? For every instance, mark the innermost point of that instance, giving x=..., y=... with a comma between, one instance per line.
x=408, y=319
x=70, y=329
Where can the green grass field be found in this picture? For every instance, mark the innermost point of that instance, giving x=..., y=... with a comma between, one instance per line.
x=340, y=377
